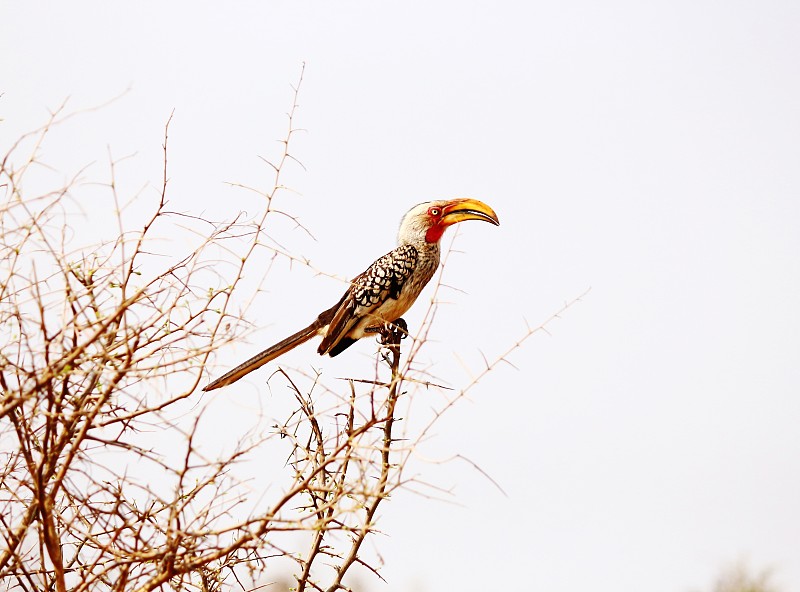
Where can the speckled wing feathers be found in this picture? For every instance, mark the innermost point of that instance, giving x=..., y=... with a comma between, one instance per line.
x=385, y=277
x=382, y=280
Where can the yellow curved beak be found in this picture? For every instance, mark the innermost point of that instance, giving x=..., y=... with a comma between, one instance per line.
x=459, y=210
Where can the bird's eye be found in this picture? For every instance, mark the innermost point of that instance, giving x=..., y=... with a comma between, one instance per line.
x=434, y=211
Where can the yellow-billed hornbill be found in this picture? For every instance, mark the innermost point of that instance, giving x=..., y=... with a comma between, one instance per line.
x=386, y=289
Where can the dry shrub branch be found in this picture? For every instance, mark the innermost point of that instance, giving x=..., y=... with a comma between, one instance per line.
x=104, y=343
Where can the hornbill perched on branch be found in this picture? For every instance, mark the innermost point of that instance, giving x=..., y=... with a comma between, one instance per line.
x=386, y=289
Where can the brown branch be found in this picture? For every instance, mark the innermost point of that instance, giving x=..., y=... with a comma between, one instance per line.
x=393, y=337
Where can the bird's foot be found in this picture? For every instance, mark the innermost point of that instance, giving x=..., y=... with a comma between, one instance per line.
x=391, y=333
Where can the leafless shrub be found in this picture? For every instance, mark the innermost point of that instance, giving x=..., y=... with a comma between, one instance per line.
x=103, y=343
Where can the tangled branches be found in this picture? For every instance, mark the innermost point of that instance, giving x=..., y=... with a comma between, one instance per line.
x=103, y=343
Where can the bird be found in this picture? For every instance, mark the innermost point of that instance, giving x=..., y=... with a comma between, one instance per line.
x=381, y=294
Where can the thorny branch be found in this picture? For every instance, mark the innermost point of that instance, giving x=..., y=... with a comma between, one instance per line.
x=107, y=482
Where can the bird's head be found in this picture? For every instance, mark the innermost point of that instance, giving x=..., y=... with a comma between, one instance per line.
x=428, y=221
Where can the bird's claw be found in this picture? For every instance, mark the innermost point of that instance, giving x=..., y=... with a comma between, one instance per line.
x=391, y=333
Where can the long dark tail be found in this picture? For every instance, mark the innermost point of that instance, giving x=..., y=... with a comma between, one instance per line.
x=267, y=355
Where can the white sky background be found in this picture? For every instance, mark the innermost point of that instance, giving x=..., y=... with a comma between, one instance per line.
x=650, y=151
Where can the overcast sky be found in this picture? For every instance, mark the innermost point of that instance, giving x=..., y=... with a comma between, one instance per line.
x=649, y=151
